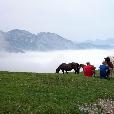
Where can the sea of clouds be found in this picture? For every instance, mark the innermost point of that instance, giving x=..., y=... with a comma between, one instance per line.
x=47, y=62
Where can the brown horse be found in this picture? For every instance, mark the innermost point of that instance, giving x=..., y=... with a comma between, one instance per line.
x=68, y=67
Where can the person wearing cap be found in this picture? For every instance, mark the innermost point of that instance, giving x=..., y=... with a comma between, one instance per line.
x=103, y=70
x=88, y=70
x=109, y=63
x=107, y=59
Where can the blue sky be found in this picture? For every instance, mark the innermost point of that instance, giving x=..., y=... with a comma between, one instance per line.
x=77, y=20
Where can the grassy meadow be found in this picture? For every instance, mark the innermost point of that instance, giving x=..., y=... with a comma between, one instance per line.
x=50, y=93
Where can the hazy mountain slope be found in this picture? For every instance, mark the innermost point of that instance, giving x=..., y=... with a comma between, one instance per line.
x=24, y=40
x=20, y=41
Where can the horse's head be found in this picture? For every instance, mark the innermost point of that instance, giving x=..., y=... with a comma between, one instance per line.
x=81, y=65
x=57, y=70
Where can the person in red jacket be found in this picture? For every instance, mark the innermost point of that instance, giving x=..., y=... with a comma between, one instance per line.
x=88, y=70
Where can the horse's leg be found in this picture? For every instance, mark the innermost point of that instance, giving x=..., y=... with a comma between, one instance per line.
x=66, y=72
x=75, y=71
x=78, y=70
x=63, y=71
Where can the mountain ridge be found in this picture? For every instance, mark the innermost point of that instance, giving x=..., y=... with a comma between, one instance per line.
x=17, y=40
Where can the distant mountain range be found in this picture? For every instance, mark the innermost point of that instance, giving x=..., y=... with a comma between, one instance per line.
x=20, y=41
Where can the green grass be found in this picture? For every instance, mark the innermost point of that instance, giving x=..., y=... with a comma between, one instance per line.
x=49, y=93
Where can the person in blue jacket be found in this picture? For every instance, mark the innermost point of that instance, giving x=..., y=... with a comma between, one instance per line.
x=103, y=70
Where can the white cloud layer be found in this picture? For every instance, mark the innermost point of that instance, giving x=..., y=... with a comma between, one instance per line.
x=47, y=62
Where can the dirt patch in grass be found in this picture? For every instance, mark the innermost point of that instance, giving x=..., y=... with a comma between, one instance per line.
x=101, y=106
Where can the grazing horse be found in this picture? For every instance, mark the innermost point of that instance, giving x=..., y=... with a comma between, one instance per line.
x=68, y=67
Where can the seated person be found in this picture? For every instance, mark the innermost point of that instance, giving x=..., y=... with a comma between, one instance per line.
x=109, y=63
x=103, y=70
x=89, y=70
